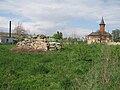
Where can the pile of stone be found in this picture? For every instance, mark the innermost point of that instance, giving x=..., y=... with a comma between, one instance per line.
x=36, y=43
x=54, y=46
x=113, y=43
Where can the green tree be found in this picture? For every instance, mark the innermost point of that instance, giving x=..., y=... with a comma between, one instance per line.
x=61, y=35
x=58, y=35
x=116, y=35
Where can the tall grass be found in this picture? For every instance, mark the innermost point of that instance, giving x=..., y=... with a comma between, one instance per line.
x=75, y=67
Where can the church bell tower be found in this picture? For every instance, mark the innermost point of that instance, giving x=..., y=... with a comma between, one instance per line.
x=102, y=26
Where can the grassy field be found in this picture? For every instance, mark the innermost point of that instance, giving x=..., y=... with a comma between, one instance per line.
x=75, y=67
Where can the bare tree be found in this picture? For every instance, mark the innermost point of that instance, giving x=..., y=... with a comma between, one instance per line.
x=19, y=30
x=20, y=33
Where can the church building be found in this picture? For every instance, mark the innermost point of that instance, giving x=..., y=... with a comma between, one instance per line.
x=100, y=36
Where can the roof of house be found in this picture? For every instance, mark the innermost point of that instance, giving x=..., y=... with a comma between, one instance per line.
x=98, y=33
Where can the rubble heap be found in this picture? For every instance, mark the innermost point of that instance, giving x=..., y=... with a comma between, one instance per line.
x=36, y=43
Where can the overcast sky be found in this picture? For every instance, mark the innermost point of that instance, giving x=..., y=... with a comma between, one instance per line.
x=68, y=16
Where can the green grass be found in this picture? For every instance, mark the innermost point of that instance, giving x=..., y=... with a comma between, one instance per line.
x=75, y=67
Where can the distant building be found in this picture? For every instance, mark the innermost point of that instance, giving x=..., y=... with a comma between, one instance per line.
x=100, y=36
x=6, y=38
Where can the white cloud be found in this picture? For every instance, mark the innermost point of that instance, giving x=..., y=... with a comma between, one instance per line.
x=48, y=16
x=3, y=22
x=76, y=32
